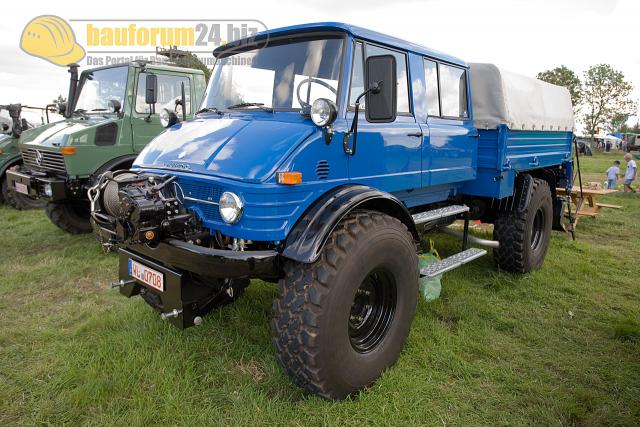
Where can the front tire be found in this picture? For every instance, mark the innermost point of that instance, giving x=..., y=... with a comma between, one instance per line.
x=15, y=199
x=341, y=321
x=524, y=236
x=70, y=216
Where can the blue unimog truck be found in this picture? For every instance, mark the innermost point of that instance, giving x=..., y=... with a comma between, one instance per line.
x=321, y=155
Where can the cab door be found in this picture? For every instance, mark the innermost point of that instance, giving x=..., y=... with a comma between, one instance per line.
x=145, y=121
x=387, y=155
x=450, y=140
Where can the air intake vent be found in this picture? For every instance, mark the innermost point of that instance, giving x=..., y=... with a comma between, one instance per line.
x=322, y=169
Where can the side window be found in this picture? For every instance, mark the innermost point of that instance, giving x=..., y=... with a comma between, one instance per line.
x=453, y=87
x=169, y=90
x=357, y=76
x=432, y=101
x=401, y=71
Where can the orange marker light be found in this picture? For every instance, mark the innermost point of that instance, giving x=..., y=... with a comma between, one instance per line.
x=68, y=151
x=289, y=178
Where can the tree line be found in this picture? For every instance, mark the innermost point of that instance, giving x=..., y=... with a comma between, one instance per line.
x=602, y=99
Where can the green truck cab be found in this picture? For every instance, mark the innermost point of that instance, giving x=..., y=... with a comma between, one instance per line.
x=111, y=115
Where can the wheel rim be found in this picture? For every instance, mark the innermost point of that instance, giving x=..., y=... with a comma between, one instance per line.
x=538, y=229
x=372, y=310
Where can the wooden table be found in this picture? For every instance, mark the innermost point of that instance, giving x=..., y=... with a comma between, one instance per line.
x=591, y=208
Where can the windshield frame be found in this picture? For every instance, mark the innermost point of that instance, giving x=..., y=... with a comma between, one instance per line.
x=291, y=38
x=83, y=80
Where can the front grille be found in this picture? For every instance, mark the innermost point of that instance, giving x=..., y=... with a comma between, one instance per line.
x=202, y=195
x=44, y=160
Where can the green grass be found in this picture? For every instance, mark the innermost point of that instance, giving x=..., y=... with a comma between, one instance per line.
x=560, y=346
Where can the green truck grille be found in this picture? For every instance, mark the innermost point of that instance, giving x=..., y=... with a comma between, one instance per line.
x=44, y=160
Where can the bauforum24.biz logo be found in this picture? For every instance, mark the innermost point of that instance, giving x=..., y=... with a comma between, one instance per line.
x=111, y=41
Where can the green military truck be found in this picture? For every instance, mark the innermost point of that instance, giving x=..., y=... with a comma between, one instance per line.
x=110, y=115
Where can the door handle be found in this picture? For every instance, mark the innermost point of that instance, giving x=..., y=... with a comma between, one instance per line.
x=475, y=135
x=416, y=134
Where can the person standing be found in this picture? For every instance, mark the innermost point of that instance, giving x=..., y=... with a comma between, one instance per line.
x=630, y=173
x=612, y=175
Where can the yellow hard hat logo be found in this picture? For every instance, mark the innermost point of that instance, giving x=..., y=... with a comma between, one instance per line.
x=51, y=38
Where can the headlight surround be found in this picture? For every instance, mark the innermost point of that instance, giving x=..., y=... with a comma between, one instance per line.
x=323, y=112
x=168, y=118
x=230, y=207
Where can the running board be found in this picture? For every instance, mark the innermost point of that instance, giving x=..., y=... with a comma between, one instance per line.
x=440, y=213
x=452, y=262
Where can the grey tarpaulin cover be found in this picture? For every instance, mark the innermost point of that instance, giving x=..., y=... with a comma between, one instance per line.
x=520, y=102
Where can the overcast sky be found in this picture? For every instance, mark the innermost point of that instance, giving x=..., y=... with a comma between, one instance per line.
x=519, y=35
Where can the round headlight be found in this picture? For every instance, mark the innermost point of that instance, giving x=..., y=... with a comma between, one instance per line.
x=168, y=118
x=323, y=112
x=230, y=207
x=114, y=106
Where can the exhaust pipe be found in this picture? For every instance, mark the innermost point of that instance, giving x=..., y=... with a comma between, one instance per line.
x=73, y=89
x=477, y=240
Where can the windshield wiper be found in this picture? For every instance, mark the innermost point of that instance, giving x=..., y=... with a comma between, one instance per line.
x=209, y=110
x=260, y=105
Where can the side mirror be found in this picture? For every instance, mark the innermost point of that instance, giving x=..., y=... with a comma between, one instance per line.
x=151, y=91
x=381, y=98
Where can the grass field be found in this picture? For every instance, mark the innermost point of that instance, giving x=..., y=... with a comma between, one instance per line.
x=560, y=346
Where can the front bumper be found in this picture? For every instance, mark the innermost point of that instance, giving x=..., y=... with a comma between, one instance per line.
x=178, y=261
x=34, y=185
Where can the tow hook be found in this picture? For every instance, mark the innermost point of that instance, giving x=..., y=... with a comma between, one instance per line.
x=170, y=314
x=122, y=283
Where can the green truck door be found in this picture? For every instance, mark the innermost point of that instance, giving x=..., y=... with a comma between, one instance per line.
x=147, y=126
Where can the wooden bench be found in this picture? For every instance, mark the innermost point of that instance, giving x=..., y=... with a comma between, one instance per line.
x=605, y=205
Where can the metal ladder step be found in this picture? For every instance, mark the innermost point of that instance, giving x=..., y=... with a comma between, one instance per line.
x=452, y=262
x=436, y=214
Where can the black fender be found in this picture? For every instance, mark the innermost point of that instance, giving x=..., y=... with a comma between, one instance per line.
x=307, y=238
x=11, y=162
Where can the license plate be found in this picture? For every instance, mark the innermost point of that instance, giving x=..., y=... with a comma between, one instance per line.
x=146, y=275
x=21, y=188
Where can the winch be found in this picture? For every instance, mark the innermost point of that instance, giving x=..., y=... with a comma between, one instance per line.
x=132, y=208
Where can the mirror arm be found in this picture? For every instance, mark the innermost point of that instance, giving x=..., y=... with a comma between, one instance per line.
x=184, y=104
x=351, y=150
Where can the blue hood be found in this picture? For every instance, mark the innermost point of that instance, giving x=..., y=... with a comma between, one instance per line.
x=242, y=148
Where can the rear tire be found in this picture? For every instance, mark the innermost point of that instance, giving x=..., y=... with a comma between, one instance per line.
x=524, y=236
x=70, y=216
x=341, y=321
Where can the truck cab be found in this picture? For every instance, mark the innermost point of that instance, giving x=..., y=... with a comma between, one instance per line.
x=109, y=119
x=321, y=156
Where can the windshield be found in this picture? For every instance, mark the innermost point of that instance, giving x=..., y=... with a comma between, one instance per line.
x=100, y=86
x=283, y=76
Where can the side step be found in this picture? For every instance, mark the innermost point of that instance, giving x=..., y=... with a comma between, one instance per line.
x=440, y=213
x=452, y=262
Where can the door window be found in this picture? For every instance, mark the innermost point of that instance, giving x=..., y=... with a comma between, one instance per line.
x=357, y=78
x=432, y=95
x=169, y=90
